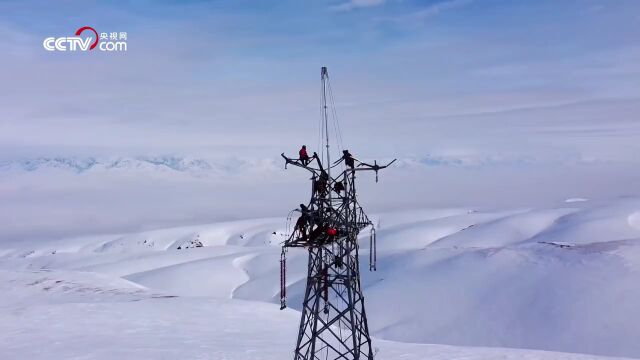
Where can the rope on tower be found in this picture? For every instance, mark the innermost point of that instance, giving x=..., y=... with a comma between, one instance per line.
x=336, y=123
x=372, y=249
x=283, y=279
x=321, y=127
x=289, y=228
x=325, y=288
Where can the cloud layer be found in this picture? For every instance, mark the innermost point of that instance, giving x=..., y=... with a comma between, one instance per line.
x=542, y=95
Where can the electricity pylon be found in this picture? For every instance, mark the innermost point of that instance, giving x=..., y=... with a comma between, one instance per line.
x=334, y=321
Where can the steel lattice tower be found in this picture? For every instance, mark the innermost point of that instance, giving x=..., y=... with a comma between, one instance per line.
x=334, y=321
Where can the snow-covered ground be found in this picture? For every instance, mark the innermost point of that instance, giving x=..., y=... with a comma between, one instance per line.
x=558, y=279
x=75, y=315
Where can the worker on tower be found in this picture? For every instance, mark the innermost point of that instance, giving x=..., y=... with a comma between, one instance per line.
x=348, y=159
x=320, y=184
x=304, y=157
x=302, y=222
x=305, y=211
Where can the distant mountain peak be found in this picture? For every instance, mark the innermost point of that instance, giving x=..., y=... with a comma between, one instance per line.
x=161, y=164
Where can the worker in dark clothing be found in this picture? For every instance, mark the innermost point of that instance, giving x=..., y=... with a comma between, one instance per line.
x=303, y=220
x=319, y=234
x=304, y=210
x=338, y=187
x=348, y=159
x=304, y=157
x=320, y=185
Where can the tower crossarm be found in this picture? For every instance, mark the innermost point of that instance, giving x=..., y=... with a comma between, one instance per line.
x=362, y=166
x=316, y=170
x=374, y=167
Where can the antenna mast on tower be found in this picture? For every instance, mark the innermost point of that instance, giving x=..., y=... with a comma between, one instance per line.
x=324, y=76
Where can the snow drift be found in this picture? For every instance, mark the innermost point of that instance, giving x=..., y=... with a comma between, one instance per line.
x=559, y=279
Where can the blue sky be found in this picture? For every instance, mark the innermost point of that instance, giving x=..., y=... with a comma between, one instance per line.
x=198, y=74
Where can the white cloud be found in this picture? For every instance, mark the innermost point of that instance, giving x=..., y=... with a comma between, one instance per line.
x=356, y=4
x=436, y=9
x=428, y=11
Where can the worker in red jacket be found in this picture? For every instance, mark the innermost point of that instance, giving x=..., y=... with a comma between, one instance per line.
x=304, y=157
